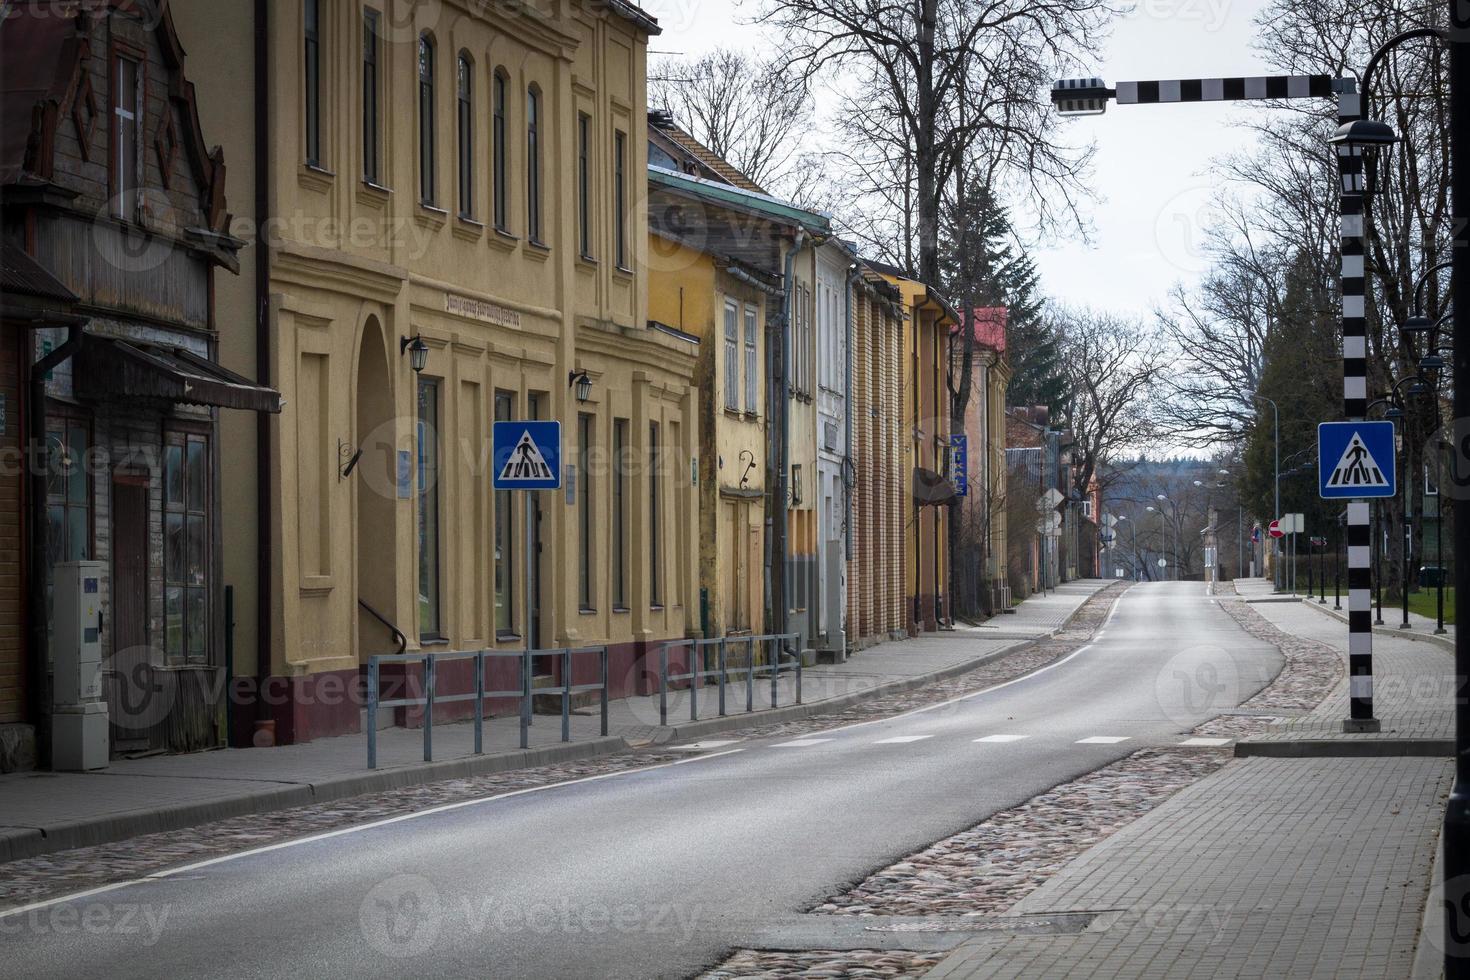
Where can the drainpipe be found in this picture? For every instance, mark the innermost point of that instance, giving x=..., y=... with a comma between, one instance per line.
x=37, y=549
x=848, y=402
x=782, y=397
x=264, y=463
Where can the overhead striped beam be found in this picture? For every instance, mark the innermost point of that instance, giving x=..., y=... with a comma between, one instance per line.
x=1226, y=89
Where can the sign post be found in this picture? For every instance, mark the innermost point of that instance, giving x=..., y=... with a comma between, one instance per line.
x=526, y=456
x=1356, y=462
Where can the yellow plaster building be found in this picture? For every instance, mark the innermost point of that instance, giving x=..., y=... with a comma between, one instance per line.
x=465, y=178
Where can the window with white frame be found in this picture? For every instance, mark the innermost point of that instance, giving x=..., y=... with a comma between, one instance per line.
x=732, y=355
x=752, y=374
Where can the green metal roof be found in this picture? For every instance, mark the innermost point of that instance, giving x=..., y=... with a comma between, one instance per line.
x=762, y=204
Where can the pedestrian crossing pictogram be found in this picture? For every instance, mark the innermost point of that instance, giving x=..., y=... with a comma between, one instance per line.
x=1356, y=460
x=527, y=455
x=1357, y=468
x=526, y=462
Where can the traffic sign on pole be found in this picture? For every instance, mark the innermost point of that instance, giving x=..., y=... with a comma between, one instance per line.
x=1275, y=530
x=1355, y=460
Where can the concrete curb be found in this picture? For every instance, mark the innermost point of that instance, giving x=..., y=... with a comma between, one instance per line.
x=1428, y=952
x=1333, y=748
x=1443, y=642
x=24, y=842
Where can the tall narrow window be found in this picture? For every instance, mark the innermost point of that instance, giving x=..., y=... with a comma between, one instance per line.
x=585, y=574
x=620, y=198
x=504, y=537
x=752, y=374
x=68, y=496
x=426, y=119
x=125, y=129
x=312, y=80
x=655, y=518
x=533, y=165
x=466, y=104
x=186, y=547
x=428, y=507
x=619, y=514
x=732, y=355
x=584, y=181
x=370, y=97
x=499, y=150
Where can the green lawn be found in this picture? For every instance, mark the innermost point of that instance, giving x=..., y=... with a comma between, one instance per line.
x=1424, y=602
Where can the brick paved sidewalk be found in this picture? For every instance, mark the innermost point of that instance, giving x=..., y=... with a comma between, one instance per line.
x=1272, y=867
x=44, y=812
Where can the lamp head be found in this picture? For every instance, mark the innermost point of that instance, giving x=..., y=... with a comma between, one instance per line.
x=1364, y=134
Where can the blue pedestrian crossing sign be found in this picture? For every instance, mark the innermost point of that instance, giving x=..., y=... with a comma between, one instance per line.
x=1355, y=460
x=526, y=455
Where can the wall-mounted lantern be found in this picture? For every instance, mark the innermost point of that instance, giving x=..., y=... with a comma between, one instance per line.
x=418, y=352
x=582, y=383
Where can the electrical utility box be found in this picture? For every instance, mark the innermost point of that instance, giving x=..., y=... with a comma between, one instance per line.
x=79, y=715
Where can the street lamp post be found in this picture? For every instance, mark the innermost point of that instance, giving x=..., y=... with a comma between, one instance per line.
x=1177, y=550
x=1276, y=434
x=1456, y=835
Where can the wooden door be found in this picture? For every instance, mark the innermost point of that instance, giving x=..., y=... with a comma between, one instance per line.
x=127, y=681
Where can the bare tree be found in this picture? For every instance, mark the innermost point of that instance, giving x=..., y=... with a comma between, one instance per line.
x=922, y=61
x=1113, y=366
x=752, y=113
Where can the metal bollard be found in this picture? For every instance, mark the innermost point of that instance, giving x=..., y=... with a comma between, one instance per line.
x=798, y=678
x=372, y=712
x=722, y=676
x=663, y=685
x=480, y=703
x=696, y=656
x=775, y=670
x=750, y=674
x=566, y=695
x=603, y=659
x=428, y=709
x=526, y=698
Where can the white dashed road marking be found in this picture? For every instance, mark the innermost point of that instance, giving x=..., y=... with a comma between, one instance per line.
x=1102, y=740
x=704, y=746
x=800, y=743
x=1002, y=738
x=902, y=739
x=1205, y=741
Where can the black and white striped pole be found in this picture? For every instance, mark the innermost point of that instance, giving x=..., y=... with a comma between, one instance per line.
x=1090, y=96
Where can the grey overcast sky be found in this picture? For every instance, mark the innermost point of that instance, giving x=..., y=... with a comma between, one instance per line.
x=1153, y=162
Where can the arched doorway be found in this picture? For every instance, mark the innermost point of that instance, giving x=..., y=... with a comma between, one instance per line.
x=376, y=475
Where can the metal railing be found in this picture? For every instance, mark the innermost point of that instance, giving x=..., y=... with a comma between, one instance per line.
x=525, y=694
x=698, y=673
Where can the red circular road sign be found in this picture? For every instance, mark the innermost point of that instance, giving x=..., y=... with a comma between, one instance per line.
x=1275, y=530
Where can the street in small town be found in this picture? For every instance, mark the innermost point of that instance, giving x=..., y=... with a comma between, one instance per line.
x=734, y=490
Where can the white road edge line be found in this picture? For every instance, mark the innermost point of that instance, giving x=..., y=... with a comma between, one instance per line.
x=800, y=743
x=1102, y=740
x=902, y=739
x=1015, y=680
x=341, y=832
x=116, y=886
x=1002, y=738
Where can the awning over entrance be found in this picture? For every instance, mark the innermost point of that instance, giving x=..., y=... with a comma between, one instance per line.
x=108, y=366
x=932, y=488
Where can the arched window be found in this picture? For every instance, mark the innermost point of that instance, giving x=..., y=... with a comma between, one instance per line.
x=466, y=79
x=427, y=157
x=533, y=164
x=500, y=189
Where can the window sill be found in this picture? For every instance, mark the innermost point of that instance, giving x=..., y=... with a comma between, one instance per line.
x=588, y=261
x=373, y=195
x=734, y=413
x=504, y=240
x=316, y=178
x=430, y=216
x=468, y=228
x=432, y=641
x=507, y=637
x=539, y=251
x=655, y=607
x=623, y=272
x=586, y=611
x=622, y=610
x=752, y=416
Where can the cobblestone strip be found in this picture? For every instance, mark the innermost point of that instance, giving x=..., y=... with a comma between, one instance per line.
x=33, y=879
x=1311, y=672
x=749, y=964
x=988, y=868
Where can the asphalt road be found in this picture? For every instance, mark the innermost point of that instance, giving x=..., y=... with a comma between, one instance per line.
x=656, y=873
